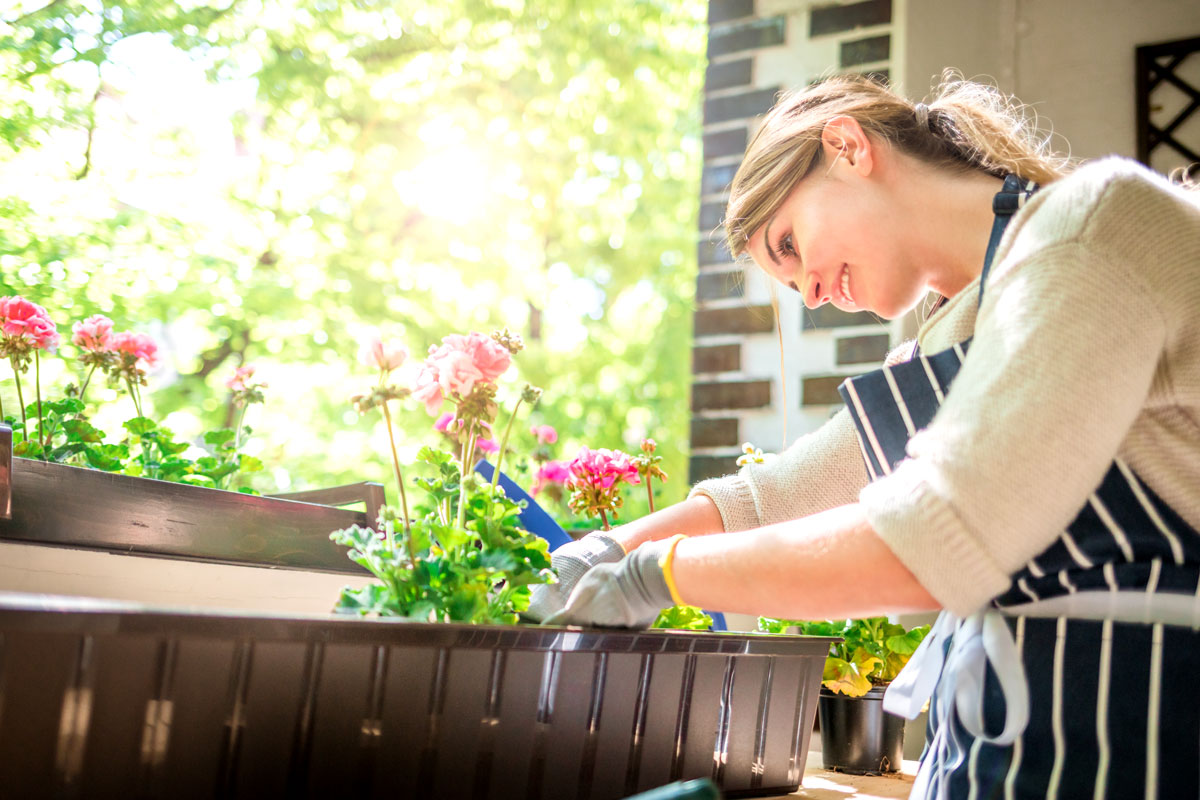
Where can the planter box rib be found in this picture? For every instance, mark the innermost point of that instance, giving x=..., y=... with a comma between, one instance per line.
x=119, y=698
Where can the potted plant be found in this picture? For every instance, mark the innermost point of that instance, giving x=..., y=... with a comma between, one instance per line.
x=857, y=735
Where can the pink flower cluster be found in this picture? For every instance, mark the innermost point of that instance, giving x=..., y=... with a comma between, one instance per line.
x=453, y=368
x=552, y=473
x=545, y=434
x=601, y=469
x=238, y=382
x=383, y=355
x=94, y=334
x=138, y=347
x=26, y=325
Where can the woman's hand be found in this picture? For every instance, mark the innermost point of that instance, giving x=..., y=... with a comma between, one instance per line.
x=628, y=594
x=695, y=516
x=571, y=561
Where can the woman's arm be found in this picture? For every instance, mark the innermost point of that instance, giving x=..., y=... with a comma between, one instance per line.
x=829, y=565
x=696, y=516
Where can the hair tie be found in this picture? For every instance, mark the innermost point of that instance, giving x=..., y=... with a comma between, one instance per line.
x=922, y=112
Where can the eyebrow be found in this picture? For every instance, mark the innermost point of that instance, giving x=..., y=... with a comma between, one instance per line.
x=767, y=243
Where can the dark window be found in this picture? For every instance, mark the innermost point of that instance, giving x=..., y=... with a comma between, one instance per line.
x=1168, y=105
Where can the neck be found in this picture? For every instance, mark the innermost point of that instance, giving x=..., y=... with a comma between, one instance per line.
x=954, y=214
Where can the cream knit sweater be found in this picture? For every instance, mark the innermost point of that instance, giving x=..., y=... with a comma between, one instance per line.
x=1087, y=348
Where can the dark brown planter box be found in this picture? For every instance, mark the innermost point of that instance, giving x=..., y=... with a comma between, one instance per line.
x=55, y=504
x=106, y=699
x=109, y=699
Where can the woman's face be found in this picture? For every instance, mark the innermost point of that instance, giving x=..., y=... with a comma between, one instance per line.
x=838, y=239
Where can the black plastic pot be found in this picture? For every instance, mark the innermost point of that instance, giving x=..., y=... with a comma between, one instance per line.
x=106, y=699
x=858, y=736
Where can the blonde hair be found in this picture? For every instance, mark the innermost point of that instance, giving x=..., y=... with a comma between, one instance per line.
x=965, y=126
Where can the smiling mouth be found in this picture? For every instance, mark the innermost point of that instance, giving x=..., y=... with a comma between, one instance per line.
x=844, y=285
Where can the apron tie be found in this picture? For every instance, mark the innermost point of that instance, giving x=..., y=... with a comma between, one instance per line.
x=975, y=641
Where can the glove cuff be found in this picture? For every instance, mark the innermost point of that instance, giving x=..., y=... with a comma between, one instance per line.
x=651, y=581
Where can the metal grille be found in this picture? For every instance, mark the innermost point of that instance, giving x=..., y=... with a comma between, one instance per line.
x=1168, y=102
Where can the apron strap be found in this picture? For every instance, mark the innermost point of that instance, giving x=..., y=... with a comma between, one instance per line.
x=1008, y=201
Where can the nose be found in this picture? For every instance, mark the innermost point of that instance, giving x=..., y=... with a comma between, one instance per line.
x=816, y=293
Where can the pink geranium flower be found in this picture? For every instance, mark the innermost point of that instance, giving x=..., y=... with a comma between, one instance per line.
x=486, y=445
x=545, y=434
x=602, y=468
x=443, y=422
x=237, y=383
x=139, y=346
x=550, y=473
x=26, y=324
x=595, y=481
x=385, y=355
x=456, y=372
x=94, y=333
x=488, y=356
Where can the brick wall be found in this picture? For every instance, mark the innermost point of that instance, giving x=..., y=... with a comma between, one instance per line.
x=756, y=49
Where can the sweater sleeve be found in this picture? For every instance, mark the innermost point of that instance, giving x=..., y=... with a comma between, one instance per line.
x=819, y=471
x=1065, y=348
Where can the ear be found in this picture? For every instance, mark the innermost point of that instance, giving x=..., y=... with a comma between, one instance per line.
x=843, y=139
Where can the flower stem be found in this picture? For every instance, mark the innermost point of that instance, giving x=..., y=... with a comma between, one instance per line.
x=137, y=406
x=237, y=435
x=468, y=462
x=387, y=417
x=20, y=399
x=650, y=494
x=504, y=444
x=86, y=381
x=37, y=389
x=604, y=519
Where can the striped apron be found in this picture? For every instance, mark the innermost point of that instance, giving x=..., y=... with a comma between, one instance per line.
x=1076, y=682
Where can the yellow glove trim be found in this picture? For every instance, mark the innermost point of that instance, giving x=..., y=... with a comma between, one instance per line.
x=666, y=561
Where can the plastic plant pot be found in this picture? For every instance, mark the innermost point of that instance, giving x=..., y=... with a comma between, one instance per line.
x=858, y=736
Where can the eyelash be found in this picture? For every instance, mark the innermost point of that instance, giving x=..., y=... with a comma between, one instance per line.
x=785, y=248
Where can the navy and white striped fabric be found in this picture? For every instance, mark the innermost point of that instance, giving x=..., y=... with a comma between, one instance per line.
x=1103, y=708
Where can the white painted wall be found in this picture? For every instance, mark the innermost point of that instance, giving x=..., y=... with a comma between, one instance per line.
x=1072, y=60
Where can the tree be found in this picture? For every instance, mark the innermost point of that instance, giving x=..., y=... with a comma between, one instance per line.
x=312, y=167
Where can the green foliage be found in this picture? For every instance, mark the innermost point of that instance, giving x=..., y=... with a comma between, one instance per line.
x=684, y=618
x=872, y=651
x=437, y=571
x=59, y=431
x=437, y=165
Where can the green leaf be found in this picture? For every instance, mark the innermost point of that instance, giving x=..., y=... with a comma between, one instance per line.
x=68, y=405
x=29, y=449
x=219, y=437
x=687, y=618
x=107, y=457
x=907, y=643
x=80, y=430
x=140, y=426
x=249, y=464
x=843, y=677
x=248, y=490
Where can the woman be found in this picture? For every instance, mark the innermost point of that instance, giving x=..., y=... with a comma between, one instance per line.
x=1031, y=465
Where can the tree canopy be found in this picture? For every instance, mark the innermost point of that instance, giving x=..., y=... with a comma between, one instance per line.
x=259, y=181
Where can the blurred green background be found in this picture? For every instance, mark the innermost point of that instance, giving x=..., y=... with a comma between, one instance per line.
x=261, y=181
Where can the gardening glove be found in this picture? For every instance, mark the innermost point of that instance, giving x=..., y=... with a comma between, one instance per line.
x=628, y=594
x=570, y=561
